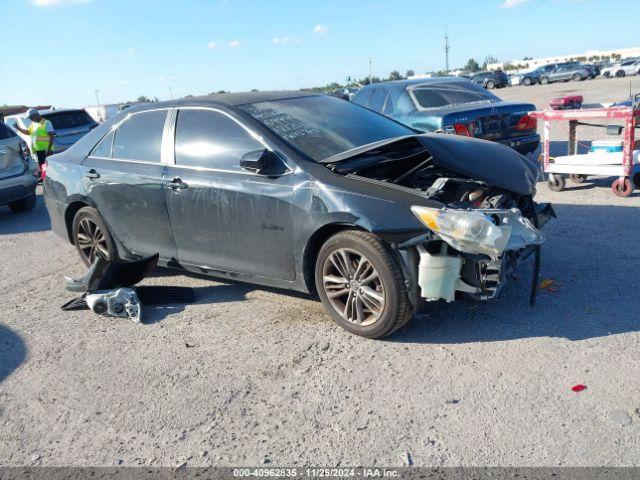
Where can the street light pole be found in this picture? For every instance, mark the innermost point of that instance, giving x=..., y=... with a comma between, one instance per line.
x=171, y=92
x=98, y=104
x=370, y=73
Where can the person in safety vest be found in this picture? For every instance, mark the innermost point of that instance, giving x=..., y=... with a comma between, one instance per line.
x=42, y=135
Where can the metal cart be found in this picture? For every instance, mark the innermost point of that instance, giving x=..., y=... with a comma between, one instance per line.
x=577, y=166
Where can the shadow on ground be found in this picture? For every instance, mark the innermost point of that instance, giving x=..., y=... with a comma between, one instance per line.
x=12, y=352
x=37, y=220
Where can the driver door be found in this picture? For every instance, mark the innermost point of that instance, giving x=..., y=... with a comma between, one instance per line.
x=224, y=217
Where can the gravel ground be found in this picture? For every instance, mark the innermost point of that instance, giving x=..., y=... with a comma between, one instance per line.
x=250, y=376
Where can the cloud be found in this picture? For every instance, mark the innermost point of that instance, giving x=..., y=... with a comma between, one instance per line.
x=164, y=78
x=56, y=3
x=212, y=45
x=128, y=55
x=285, y=40
x=512, y=3
x=234, y=44
x=320, y=29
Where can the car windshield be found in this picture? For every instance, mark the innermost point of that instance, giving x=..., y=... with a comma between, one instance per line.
x=443, y=94
x=324, y=126
x=69, y=119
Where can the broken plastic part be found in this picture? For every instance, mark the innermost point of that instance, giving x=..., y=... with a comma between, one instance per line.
x=105, y=274
x=123, y=303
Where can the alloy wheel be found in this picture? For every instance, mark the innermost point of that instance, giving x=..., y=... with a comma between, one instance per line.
x=91, y=240
x=353, y=286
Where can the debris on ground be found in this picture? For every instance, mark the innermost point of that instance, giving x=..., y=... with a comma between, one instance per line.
x=579, y=388
x=620, y=417
x=549, y=285
x=406, y=458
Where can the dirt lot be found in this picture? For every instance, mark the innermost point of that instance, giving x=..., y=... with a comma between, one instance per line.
x=248, y=376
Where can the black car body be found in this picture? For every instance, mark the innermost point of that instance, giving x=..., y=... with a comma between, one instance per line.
x=454, y=105
x=491, y=80
x=304, y=192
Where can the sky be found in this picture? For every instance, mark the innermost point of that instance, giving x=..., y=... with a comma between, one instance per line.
x=61, y=51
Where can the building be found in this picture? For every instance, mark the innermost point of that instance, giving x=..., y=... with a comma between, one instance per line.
x=588, y=56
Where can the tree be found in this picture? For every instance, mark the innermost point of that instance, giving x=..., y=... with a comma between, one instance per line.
x=410, y=73
x=395, y=75
x=471, y=66
x=143, y=99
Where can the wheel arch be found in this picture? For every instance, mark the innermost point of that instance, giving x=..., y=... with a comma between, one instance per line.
x=313, y=246
x=70, y=212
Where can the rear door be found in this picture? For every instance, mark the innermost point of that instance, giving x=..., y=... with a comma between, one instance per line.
x=123, y=176
x=11, y=162
x=224, y=217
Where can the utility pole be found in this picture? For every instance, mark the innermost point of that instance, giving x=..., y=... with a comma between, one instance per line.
x=446, y=50
x=370, y=72
x=171, y=92
x=98, y=104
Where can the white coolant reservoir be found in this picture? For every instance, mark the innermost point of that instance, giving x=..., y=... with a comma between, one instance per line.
x=438, y=274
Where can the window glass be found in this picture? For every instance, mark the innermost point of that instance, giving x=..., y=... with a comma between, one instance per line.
x=69, y=119
x=322, y=126
x=140, y=137
x=363, y=97
x=441, y=94
x=5, y=132
x=205, y=138
x=377, y=99
x=104, y=147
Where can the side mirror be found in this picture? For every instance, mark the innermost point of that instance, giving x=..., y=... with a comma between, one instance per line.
x=262, y=161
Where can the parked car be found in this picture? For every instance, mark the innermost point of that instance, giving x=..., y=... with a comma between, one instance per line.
x=305, y=192
x=344, y=93
x=622, y=69
x=566, y=72
x=70, y=126
x=17, y=182
x=453, y=105
x=491, y=80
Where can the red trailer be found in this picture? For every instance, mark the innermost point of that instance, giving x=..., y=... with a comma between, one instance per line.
x=625, y=166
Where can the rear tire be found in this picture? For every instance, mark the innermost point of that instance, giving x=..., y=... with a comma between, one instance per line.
x=556, y=183
x=361, y=285
x=620, y=74
x=544, y=80
x=491, y=85
x=526, y=81
x=92, y=237
x=24, y=205
x=576, y=77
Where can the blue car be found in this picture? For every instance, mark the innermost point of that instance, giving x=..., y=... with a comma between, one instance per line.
x=453, y=105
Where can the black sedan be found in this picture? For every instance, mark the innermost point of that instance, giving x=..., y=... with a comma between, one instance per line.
x=304, y=192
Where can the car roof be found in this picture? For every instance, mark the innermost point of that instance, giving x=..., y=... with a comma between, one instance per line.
x=223, y=99
x=416, y=81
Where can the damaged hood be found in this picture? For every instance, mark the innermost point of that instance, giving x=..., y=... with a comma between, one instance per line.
x=488, y=162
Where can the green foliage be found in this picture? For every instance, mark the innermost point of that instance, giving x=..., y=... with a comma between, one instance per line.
x=471, y=66
x=395, y=75
x=410, y=73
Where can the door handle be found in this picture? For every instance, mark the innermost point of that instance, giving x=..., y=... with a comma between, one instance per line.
x=92, y=174
x=177, y=184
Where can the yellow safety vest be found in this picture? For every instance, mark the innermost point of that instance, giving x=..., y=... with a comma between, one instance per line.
x=39, y=135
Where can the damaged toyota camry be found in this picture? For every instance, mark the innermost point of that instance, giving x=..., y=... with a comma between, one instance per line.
x=304, y=192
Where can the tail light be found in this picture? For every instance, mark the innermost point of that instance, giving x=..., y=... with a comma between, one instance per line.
x=461, y=129
x=25, y=154
x=527, y=122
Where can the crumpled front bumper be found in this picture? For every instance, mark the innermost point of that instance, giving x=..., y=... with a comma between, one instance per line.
x=447, y=273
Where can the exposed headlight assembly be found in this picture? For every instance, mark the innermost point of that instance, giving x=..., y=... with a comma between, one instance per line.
x=488, y=232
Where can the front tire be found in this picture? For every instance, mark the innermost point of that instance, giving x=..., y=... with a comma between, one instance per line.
x=91, y=236
x=544, y=80
x=24, y=205
x=620, y=74
x=491, y=85
x=526, y=81
x=577, y=77
x=361, y=285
